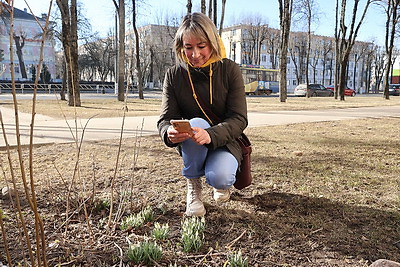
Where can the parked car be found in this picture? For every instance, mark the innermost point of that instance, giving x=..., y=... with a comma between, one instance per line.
x=314, y=90
x=347, y=91
x=394, y=89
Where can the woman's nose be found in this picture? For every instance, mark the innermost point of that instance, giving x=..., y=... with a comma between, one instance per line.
x=196, y=53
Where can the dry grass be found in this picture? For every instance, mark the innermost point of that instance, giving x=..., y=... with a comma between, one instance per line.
x=324, y=194
x=99, y=107
x=302, y=103
x=111, y=107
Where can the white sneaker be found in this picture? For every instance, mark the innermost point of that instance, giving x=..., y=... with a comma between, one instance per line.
x=194, y=204
x=221, y=195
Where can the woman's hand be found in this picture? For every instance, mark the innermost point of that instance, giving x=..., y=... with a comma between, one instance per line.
x=201, y=136
x=176, y=137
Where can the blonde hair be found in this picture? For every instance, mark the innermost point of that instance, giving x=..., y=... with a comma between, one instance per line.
x=202, y=27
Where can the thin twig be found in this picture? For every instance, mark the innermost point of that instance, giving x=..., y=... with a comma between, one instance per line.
x=19, y=146
x=3, y=231
x=230, y=244
x=121, y=254
x=39, y=227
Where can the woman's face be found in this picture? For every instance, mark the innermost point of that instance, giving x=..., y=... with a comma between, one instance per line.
x=197, y=51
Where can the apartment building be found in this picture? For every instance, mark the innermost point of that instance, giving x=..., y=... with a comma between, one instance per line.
x=259, y=45
x=26, y=45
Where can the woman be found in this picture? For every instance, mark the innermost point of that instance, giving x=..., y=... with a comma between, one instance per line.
x=207, y=89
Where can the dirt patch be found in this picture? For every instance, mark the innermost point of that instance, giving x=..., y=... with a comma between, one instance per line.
x=324, y=194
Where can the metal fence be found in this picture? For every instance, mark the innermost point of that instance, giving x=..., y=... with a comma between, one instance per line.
x=25, y=88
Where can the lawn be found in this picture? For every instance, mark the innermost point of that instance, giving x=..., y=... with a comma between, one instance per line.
x=324, y=193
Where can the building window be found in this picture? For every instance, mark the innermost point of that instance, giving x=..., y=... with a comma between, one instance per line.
x=264, y=47
x=264, y=58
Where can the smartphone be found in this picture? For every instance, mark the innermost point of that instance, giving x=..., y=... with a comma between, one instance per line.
x=182, y=126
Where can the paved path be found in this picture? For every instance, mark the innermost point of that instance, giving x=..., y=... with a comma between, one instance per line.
x=51, y=130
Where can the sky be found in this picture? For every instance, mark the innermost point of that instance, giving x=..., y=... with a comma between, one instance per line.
x=101, y=14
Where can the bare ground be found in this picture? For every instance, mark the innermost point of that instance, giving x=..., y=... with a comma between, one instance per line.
x=324, y=194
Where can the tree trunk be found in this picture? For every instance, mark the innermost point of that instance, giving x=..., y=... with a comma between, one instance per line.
x=221, y=27
x=64, y=81
x=343, y=76
x=308, y=46
x=20, y=56
x=348, y=37
x=215, y=12
x=285, y=13
x=69, y=38
x=210, y=8
x=189, y=6
x=137, y=40
x=121, y=51
x=203, y=6
x=391, y=24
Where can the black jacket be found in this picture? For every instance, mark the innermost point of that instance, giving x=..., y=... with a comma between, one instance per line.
x=228, y=102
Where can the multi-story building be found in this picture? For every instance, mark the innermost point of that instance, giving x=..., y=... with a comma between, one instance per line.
x=259, y=45
x=26, y=43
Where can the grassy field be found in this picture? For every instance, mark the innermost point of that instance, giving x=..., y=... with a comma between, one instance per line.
x=110, y=107
x=323, y=194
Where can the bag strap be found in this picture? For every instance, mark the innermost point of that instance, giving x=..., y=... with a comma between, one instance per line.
x=211, y=117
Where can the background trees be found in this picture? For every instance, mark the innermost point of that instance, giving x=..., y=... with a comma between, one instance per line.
x=392, y=11
x=346, y=37
x=308, y=57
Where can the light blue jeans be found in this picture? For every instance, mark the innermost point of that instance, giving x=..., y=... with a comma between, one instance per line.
x=218, y=166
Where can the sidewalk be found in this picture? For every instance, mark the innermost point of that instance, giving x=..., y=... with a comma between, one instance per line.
x=48, y=130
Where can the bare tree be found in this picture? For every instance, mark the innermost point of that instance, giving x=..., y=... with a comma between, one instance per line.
x=297, y=52
x=368, y=59
x=285, y=14
x=19, y=44
x=348, y=36
x=257, y=32
x=137, y=50
x=272, y=42
x=314, y=58
x=221, y=24
x=120, y=7
x=327, y=59
x=97, y=58
x=379, y=68
x=69, y=38
x=306, y=10
x=392, y=11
